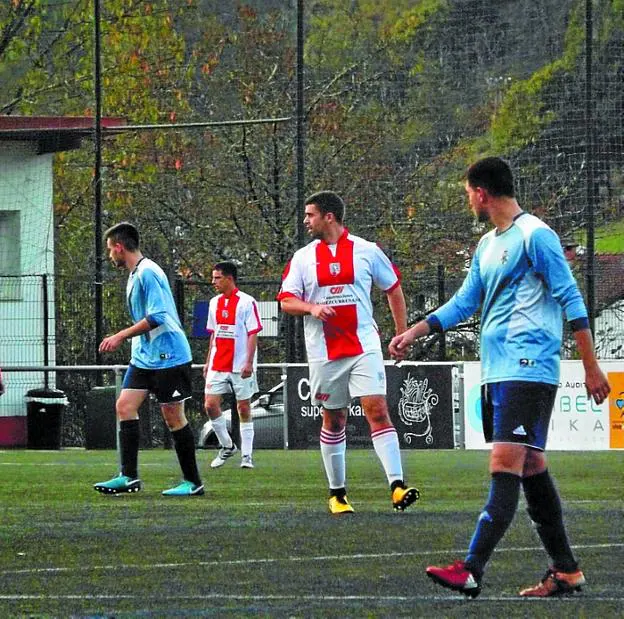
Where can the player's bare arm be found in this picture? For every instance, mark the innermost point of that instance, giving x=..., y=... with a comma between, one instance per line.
x=207, y=364
x=596, y=382
x=113, y=342
x=252, y=343
x=398, y=309
x=297, y=307
x=399, y=346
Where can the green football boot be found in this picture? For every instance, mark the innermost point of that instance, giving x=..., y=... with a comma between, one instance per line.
x=118, y=485
x=186, y=488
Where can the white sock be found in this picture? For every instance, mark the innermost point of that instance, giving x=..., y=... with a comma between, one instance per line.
x=333, y=449
x=247, y=437
x=219, y=425
x=386, y=444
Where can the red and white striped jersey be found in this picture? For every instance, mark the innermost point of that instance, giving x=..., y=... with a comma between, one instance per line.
x=340, y=275
x=231, y=319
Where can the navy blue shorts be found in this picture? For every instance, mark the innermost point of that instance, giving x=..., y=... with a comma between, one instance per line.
x=168, y=385
x=517, y=412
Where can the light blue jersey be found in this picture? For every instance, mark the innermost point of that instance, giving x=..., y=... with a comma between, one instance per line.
x=522, y=281
x=149, y=296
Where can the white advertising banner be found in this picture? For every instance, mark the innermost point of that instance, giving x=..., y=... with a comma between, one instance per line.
x=576, y=424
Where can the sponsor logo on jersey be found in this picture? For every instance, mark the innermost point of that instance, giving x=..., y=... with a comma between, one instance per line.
x=226, y=332
x=336, y=289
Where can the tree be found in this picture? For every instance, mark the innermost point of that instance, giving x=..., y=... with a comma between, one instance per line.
x=400, y=97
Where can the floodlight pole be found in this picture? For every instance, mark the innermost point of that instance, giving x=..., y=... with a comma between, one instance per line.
x=300, y=157
x=97, y=186
x=300, y=127
x=590, y=160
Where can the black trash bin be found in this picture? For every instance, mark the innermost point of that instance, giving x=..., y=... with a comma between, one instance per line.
x=100, y=423
x=45, y=418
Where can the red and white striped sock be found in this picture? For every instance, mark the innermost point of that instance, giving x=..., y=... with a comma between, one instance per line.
x=333, y=449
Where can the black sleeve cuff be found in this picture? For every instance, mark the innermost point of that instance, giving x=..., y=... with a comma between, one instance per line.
x=152, y=323
x=434, y=324
x=578, y=324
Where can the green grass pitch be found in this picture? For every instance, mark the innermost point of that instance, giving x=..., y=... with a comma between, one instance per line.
x=260, y=542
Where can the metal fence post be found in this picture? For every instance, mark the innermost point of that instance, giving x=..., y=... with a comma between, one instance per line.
x=441, y=301
x=46, y=329
x=459, y=431
x=118, y=382
x=284, y=378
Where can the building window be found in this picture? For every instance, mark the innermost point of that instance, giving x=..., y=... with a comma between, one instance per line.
x=10, y=263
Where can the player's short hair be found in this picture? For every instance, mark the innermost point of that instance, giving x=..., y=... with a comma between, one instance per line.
x=492, y=174
x=227, y=267
x=328, y=202
x=124, y=233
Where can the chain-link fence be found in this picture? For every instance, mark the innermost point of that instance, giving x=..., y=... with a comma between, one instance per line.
x=88, y=418
x=399, y=98
x=39, y=332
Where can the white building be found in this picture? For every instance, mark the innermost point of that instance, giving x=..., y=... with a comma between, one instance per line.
x=27, y=147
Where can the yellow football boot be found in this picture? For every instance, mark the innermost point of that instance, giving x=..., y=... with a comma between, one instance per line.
x=402, y=498
x=339, y=505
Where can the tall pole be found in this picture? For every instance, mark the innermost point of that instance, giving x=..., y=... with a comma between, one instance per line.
x=46, y=329
x=590, y=158
x=441, y=301
x=98, y=183
x=300, y=156
x=300, y=126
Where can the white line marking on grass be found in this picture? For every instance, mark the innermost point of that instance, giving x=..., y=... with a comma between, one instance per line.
x=313, y=598
x=592, y=501
x=235, y=562
x=80, y=464
x=37, y=464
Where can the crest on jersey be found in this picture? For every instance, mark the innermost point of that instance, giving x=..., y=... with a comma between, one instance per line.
x=225, y=313
x=415, y=408
x=334, y=268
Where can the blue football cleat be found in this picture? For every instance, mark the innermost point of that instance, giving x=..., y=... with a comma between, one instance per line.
x=186, y=488
x=118, y=485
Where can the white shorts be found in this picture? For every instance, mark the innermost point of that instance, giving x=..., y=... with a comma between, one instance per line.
x=334, y=383
x=218, y=383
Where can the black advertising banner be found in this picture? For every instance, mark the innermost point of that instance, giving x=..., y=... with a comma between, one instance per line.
x=420, y=400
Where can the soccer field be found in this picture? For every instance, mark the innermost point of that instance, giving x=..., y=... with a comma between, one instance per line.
x=260, y=542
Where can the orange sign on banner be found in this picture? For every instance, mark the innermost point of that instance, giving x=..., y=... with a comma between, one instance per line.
x=616, y=410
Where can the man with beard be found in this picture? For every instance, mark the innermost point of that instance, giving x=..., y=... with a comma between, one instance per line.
x=329, y=283
x=522, y=282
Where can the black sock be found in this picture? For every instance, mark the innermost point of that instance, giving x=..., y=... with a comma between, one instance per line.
x=129, y=432
x=184, y=443
x=493, y=521
x=544, y=508
x=338, y=492
x=397, y=483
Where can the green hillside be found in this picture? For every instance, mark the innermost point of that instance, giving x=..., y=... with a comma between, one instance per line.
x=610, y=238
